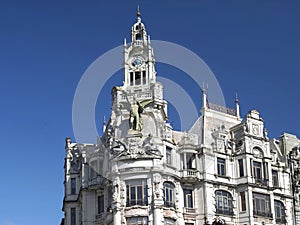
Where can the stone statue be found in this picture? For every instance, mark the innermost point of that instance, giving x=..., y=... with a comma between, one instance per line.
x=135, y=120
x=136, y=109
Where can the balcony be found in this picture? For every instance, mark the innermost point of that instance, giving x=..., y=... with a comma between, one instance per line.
x=260, y=181
x=137, y=202
x=95, y=181
x=281, y=220
x=228, y=211
x=138, y=43
x=169, y=204
x=190, y=175
x=189, y=210
x=262, y=213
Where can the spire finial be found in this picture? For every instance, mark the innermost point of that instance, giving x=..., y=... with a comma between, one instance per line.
x=236, y=97
x=138, y=12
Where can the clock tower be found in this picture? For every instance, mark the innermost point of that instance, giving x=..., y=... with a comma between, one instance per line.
x=139, y=60
x=138, y=107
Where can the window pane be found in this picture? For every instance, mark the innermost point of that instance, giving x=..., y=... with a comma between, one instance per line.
x=275, y=178
x=144, y=77
x=241, y=167
x=100, y=204
x=137, y=221
x=131, y=78
x=243, y=201
x=137, y=192
x=262, y=205
x=73, y=216
x=73, y=186
x=221, y=166
x=169, y=192
x=137, y=78
x=224, y=202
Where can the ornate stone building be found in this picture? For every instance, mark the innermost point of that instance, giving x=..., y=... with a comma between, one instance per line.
x=141, y=171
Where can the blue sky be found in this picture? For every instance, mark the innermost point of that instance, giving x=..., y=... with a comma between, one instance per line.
x=252, y=47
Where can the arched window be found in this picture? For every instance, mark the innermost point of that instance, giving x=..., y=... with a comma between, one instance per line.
x=224, y=202
x=279, y=212
x=169, y=194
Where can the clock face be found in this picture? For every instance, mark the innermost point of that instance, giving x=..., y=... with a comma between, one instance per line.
x=137, y=61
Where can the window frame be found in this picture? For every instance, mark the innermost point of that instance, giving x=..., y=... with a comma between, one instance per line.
x=241, y=167
x=139, y=220
x=168, y=155
x=136, y=192
x=224, y=202
x=188, y=198
x=275, y=182
x=100, y=204
x=243, y=201
x=261, y=205
x=168, y=221
x=73, y=185
x=281, y=218
x=221, y=166
x=169, y=200
x=73, y=216
x=257, y=171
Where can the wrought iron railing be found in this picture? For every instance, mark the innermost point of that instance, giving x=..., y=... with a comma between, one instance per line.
x=261, y=181
x=228, y=211
x=263, y=213
x=133, y=202
x=189, y=210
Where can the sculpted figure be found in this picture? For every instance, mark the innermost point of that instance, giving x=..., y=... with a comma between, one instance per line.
x=135, y=120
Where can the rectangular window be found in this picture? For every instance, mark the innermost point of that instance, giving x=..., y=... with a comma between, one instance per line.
x=188, y=198
x=221, y=166
x=73, y=216
x=131, y=78
x=168, y=155
x=243, y=201
x=169, y=221
x=137, y=78
x=144, y=77
x=100, y=204
x=137, y=192
x=257, y=172
x=261, y=205
x=137, y=220
x=275, y=178
x=169, y=194
x=241, y=167
x=73, y=186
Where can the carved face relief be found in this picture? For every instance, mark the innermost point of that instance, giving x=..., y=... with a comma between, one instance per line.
x=255, y=129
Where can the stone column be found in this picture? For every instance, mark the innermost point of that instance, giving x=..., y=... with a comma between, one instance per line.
x=157, y=200
x=116, y=203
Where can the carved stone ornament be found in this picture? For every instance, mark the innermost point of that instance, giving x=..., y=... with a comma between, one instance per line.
x=75, y=161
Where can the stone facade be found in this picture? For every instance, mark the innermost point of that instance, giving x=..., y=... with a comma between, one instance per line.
x=223, y=170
